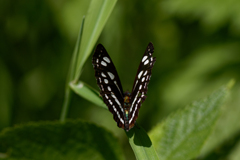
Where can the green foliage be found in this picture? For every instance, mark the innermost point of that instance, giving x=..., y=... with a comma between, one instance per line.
x=71, y=75
x=138, y=138
x=54, y=140
x=211, y=14
x=141, y=143
x=182, y=134
x=98, y=13
x=197, y=49
x=88, y=93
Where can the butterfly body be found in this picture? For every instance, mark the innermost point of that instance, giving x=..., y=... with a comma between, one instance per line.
x=126, y=106
x=123, y=106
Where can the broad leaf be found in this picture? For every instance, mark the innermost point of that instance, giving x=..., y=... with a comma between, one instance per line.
x=181, y=135
x=54, y=140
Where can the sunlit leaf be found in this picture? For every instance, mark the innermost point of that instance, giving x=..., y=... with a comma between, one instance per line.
x=88, y=93
x=182, y=134
x=98, y=13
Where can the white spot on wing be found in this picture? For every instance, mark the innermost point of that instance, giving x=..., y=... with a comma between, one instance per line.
x=106, y=81
x=121, y=120
x=106, y=96
x=135, y=83
x=146, y=62
x=111, y=75
x=145, y=85
x=97, y=60
x=103, y=74
x=140, y=74
x=100, y=80
x=147, y=77
x=118, y=114
x=144, y=58
x=107, y=59
x=145, y=73
x=114, y=108
x=134, y=101
x=109, y=88
x=115, y=98
x=117, y=86
x=139, y=100
x=143, y=79
x=133, y=115
x=104, y=63
x=117, y=102
x=140, y=87
x=110, y=102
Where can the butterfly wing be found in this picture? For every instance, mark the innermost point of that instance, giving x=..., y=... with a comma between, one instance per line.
x=140, y=85
x=109, y=83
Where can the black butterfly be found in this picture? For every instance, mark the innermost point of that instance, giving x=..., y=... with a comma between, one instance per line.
x=124, y=106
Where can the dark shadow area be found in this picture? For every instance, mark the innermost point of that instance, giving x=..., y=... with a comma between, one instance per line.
x=140, y=136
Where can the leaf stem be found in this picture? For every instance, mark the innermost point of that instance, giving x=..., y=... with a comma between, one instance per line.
x=70, y=77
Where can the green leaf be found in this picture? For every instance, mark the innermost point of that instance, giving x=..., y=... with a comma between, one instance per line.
x=141, y=144
x=98, y=13
x=70, y=76
x=181, y=135
x=88, y=93
x=54, y=140
x=138, y=138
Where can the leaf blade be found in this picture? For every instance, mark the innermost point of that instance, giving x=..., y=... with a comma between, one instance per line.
x=55, y=140
x=88, y=93
x=70, y=76
x=182, y=135
x=141, y=144
x=98, y=13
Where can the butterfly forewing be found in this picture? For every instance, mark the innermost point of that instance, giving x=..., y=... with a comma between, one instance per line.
x=140, y=85
x=124, y=107
x=109, y=83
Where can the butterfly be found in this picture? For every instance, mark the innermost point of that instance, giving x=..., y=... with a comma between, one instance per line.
x=123, y=106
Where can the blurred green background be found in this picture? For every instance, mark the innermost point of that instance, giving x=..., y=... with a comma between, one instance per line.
x=197, y=45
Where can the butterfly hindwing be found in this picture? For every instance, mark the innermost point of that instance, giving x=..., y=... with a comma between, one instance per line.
x=109, y=83
x=140, y=85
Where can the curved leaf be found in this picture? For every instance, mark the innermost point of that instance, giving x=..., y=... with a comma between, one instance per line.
x=98, y=13
x=88, y=93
